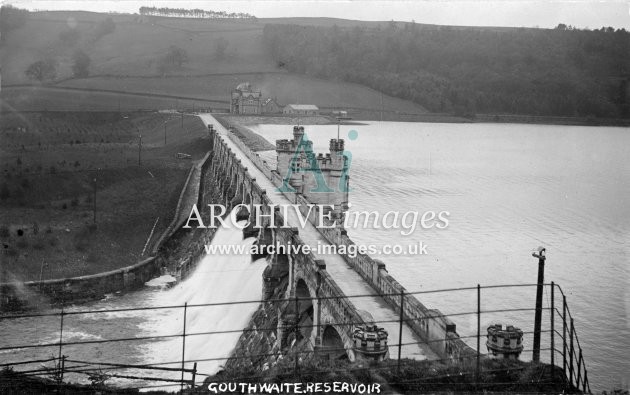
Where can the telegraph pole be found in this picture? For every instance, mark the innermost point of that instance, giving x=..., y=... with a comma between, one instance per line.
x=540, y=254
x=140, y=151
x=94, y=207
x=41, y=274
x=165, y=132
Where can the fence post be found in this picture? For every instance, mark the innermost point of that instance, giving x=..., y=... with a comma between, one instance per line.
x=62, y=368
x=183, y=346
x=61, y=334
x=586, y=388
x=564, y=334
x=400, y=326
x=194, y=375
x=579, y=370
x=552, y=313
x=571, y=329
x=297, y=329
x=477, y=371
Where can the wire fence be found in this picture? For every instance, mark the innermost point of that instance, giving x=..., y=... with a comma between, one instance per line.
x=562, y=348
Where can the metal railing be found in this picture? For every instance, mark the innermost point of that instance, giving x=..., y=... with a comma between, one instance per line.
x=571, y=359
x=573, y=364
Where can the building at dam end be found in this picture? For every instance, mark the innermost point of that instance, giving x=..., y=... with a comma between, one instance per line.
x=246, y=100
x=321, y=178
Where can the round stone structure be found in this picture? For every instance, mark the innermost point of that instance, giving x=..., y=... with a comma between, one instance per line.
x=504, y=341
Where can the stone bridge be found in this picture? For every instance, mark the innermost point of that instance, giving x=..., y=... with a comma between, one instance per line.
x=316, y=307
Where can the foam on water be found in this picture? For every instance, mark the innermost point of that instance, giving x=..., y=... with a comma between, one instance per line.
x=217, y=279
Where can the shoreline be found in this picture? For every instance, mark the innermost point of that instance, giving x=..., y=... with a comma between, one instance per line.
x=359, y=118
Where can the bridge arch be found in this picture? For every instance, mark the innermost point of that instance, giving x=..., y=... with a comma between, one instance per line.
x=332, y=346
x=305, y=309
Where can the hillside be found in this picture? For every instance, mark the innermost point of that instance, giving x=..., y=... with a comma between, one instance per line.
x=150, y=62
x=549, y=72
x=123, y=61
x=74, y=199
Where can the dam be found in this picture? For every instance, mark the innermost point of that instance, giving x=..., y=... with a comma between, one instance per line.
x=315, y=301
x=328, y=278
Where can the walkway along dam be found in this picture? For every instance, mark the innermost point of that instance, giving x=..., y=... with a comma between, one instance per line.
x=321, y=283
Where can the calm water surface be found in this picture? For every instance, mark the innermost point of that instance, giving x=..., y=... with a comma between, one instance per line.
x=509, y=188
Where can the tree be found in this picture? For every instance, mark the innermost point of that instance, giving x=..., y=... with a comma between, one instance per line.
x=221, y=45
x=174, y=58
x=41, y=70
x=11, y=18
x=563, y=72
x=80, y=67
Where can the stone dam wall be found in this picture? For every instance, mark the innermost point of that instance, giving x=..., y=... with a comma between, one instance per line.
x=429, y=324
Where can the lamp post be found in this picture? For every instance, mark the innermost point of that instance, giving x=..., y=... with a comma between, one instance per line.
x=540, y=254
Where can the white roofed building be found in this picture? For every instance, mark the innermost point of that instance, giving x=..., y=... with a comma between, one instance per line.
x=301, y=109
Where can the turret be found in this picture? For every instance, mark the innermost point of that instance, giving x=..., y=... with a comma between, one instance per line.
x=298, y=133
x=331, y=169
x=336, y=145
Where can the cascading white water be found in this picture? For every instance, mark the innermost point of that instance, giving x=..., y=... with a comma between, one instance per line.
x=216, y=279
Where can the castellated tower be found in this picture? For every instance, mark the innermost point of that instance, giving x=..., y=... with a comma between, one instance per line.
x=320, y=179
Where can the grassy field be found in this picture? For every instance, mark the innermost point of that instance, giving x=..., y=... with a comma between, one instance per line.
x=49, y=165
x=125, y=66
x=45, y=98
x=198, y=92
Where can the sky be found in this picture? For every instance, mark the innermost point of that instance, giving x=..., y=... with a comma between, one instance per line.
x=518, y=13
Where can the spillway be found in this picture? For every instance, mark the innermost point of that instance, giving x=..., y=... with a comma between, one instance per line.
x=216, y=279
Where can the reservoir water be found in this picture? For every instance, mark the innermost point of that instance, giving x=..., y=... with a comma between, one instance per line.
x=508, y=188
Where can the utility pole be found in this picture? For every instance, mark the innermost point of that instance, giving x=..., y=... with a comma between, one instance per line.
x=41, y=274
x=94, y=208
x=140, y=151
x=165, y=132
x=540, y=254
